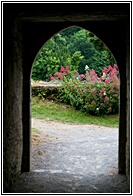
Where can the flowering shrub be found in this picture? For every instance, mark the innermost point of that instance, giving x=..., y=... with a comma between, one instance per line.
x=64, y=72
x=90, y=93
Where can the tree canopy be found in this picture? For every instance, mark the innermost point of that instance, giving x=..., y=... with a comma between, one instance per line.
x=74, y=47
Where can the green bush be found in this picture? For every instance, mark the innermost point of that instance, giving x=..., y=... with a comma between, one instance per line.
x=94, y=95
x=45, y=93
x=93, y=98
x=89, y=93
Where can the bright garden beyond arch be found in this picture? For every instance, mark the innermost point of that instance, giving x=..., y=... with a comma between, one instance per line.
x=85, y=68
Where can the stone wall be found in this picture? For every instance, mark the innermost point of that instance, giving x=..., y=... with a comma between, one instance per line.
x=12, y=103
x=128, y=77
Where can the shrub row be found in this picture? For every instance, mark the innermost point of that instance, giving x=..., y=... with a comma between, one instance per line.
x=95, y=98
x=86, y=92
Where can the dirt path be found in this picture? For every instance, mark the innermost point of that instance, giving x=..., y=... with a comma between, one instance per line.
x=74, y=148
x=73, y=159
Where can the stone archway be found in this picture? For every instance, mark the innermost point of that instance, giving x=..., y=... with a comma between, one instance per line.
x=29, y=27
x=39, y=39
x=35, y=164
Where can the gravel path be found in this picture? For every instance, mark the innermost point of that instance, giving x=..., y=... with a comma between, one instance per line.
x=84, y=149
x=73, y=159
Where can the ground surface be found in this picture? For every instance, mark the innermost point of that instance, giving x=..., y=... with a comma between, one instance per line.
x=73, y=159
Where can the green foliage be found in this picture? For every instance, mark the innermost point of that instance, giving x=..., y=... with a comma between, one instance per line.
x=76, y=58
x=75, y=47
x=101, y=60
x=67, y=33
x=45, y=93
x=45, y=62
x=51, y=57
x=86, y=92
x=55, y=111
x=87, y=97
x=95, y=95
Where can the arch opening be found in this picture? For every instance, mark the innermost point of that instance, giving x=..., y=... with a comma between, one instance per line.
x=84, y=66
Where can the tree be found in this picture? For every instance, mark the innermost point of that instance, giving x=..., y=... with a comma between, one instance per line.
x=76, y=58
x=51, y=57
x=75, y=47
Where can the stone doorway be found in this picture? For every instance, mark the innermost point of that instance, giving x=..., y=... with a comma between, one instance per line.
x=120, y=58
x=42, y=164
x=27, y=30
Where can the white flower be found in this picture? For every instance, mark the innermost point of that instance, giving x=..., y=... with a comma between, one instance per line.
x=97, y=109
x=104, y=93
x=104, y=75
x=86, y=68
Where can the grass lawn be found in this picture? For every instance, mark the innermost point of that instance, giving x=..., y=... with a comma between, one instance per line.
x=66, y=114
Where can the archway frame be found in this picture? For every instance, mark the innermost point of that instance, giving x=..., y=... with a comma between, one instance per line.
x=109, y=33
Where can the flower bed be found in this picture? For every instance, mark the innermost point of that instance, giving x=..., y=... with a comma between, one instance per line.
x=87, y=92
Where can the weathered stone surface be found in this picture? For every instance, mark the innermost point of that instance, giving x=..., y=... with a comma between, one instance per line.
x=12, y=103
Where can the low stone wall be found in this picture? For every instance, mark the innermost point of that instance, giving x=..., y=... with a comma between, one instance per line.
x=45, y=84
x=45, y=90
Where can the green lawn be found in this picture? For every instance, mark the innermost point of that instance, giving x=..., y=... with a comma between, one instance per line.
x=66, y=114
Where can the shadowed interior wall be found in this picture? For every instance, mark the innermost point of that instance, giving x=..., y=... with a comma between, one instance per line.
x=128, y=139
x=12, y=104
x=25, y=32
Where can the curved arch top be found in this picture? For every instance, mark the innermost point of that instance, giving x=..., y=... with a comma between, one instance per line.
x=72, y=27
x=105, y=34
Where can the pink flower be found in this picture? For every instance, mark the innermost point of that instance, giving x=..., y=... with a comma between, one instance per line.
x=67, y=69
x=107, y=81
x=116, y=86
x=106, y=99
x=115, y=95
x=105, y=70
x=111, y=91
x=62, y=69
x=102, y=90
x=100, y=95
x=115, y=66
x=109, y=68
x=52, y=78
x=82, y=76
x=60, y=77
x=93, y=75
